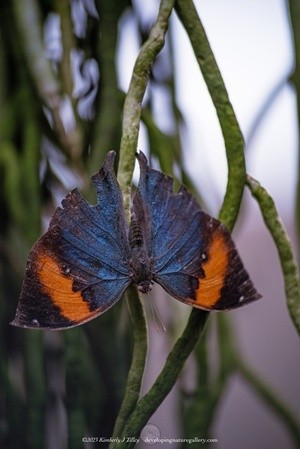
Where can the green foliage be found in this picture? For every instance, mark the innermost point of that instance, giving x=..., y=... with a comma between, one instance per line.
x=36, y=149
x=284, y=248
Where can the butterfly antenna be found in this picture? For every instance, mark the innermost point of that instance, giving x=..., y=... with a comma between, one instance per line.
x=159, y=324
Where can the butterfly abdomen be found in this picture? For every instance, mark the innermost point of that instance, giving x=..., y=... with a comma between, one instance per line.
x=135, y=234
x=140, y=261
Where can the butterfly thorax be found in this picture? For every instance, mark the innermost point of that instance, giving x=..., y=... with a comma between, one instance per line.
x=141, y=270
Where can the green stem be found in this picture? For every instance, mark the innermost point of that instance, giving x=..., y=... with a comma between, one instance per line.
x=74, y=387
x=167, y=378
x=271, y=400
x=63, y=8
x=36, y=388
x=3, y=76
x=30, y=177
x=284, y=248
x=227, y=349
x=232, y=134
x=135, y=95
x=106, y=132
x=29, y=21
x=198, y=403
x=10, y=164
x=264, y=109
x=209, y=391
x=130, y=130
x=295, y=78
x=135, y=375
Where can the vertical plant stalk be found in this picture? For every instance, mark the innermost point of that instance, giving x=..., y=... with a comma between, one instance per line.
x=199, y=399
x=134, y=97
x=295, y=78
x=167, y=378
x=264, y=109
x=29, y=182
x=106, y=131
x=36, y=389
x=209, y=389
x=75, y=387
x=284, y=248
x=232, y=134
x=29, y=21
x=136, y=371
x=130, y=132
x=63, y=8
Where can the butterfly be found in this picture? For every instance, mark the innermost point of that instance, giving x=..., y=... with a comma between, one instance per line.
x=88, y=257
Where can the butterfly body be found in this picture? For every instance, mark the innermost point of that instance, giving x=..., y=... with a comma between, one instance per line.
x=88, y=257
x=141, y=270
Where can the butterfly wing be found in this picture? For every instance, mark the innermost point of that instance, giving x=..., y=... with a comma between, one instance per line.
x=194, y=257
x=79, y=268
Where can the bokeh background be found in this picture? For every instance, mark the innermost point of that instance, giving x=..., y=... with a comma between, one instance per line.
x=64, y=70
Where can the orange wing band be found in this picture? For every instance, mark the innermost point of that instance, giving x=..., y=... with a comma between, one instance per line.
x=59, y=288
x=215, y=269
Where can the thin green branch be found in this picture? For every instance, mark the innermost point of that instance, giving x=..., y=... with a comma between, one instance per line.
x=167, y=378
x=233, y=137
x=3, y=76
x=16, y=410
x=10, y=164
x=29, y=21
x=133, y=101
x=31, y=192
x=284, y=248
x=130, y=130
x=135, y=375
x=271, y=400
x=106, y=132
x=74, y=367
x=199, y=402
x=227, y=349
x=106, y=338
x=63, y=8
x=295, y=78
x=36, y=388
x=264, y=109
x=210, y=389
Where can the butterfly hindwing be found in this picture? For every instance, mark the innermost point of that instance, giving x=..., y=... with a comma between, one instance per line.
x=79, y=268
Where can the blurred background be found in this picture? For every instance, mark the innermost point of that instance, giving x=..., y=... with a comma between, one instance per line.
x=64, y=70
